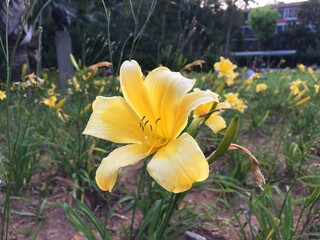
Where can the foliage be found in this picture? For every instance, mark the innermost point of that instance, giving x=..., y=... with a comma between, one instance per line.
x=279, y=122
x=263, y=22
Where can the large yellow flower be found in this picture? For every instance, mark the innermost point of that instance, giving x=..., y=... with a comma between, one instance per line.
x=225, y=67
x=149, y=119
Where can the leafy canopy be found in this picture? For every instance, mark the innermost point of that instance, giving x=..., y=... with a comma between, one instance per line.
x=263, y=21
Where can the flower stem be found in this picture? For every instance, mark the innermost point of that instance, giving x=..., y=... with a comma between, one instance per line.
x=173, y=202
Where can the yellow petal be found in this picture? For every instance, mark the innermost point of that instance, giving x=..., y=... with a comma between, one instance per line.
x=179, y=164
x=165, y=91
x=107, y=172
x=216, y=123
x=131, y=81
x=113, y=119
x=206, y=107
x=189, y=103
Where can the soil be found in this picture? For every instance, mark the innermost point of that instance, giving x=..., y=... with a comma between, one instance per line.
x=47, y=189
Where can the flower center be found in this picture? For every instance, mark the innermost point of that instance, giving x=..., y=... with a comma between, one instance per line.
x=152, y=140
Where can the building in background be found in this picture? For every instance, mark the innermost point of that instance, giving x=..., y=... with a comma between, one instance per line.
x=288, y=18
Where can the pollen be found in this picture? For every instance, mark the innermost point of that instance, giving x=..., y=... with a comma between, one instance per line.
x=151, y=139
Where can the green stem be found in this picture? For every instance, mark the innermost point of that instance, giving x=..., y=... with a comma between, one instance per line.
x=7, y=203
x=173, y=202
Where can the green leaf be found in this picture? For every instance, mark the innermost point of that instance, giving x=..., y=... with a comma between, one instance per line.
x=229, y=136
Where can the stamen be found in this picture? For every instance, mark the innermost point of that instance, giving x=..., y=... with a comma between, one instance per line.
x=157, y=120
x=145, y=123
x=150, y=127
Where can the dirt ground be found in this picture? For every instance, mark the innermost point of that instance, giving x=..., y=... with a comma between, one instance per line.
x=25, y=217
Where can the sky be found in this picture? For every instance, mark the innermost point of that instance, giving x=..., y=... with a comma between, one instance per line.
x=265, y=2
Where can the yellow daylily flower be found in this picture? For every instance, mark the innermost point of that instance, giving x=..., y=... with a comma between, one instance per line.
x=261, y=87
x=310, y=70
x=301, y=67
x=2, y=95
x=225, y=67
x=248, y=82
x=215, y=122
x=149, y=118
x=316, y=88
x=294, y=86
x=241, y=106
x=233, y=100
x=230, y=79
x=50, y=101
x=194, y=63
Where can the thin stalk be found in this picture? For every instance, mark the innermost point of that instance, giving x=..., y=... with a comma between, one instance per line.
x=5, y=220
x=144, y=168
x=108, y=14
x=173, y=202
x=137, y=35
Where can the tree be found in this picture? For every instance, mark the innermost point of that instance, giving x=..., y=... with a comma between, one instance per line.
x=263, y=21
x=309, y=13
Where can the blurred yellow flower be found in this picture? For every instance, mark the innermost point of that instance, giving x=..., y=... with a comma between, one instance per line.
x=100, y=65
x=232, y=98
x=60, y=103
x=294, y=86
x=234, y=101
x=215, y=122
x=51, y=101
x=310, y=70
x=261, y=87
x=225, y=67
x=249, y=81
x=149, y=119
x=316, y=88
x=256, y=75
x=51, y=91
x=2, y=95
x=240, y=105
x=301, y=67
x=194, y=63
x=230, y=79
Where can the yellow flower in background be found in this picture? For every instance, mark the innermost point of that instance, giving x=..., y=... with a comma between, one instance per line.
x=240, y=105
x=301, y=67
x=234, y=101
x=50, y=101
x=51, y=91
x=232, y=98
x=194, y=63
x=316, y=88
x=256, y=75
x=225, y=67
x=248, y=82
x=230, y=79
x=215, y=122
x=310, y=70
x=94, y=68
x=2, y=95
x=261, y=87
x=294, y=86
x=149, y=119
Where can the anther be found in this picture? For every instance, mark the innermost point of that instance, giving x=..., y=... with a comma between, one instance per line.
x=150, y=127
x=157, y=120
x=145, y=123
